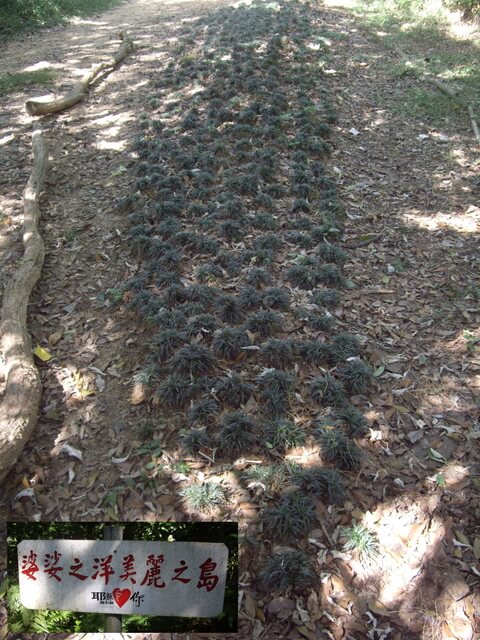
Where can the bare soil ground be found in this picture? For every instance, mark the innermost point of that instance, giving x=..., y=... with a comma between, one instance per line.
x=415, y=305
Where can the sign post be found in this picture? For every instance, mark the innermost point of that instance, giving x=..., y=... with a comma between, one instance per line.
x=115, y=577
x=113, y=623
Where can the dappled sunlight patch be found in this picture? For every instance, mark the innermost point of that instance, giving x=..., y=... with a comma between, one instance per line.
x=409, y=556
x=466, y=222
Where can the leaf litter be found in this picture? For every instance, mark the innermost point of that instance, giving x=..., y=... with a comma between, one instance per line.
x=422, y=315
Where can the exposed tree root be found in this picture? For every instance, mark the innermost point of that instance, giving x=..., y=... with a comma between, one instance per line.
x=19, y=408
x=80, y=90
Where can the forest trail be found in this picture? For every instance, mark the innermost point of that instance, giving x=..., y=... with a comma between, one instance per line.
x=410, y=185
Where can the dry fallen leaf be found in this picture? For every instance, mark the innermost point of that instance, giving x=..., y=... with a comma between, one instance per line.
x=139, y=394
x=55, y=338
x=71, y=451
x=476, y=548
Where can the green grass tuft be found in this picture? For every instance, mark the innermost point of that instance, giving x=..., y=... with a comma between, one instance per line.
x=327, y=391
x=237, y=433
x=271, y=478
x=336, y=447
x=276, y=390
x=194, y=440
x=203, y=497
x=327, y=483
x=291, y=518
x=194, y=360
x=283, y=434
x=11, y=82
x=358, y=538
x=356, y=375
x=290, y=570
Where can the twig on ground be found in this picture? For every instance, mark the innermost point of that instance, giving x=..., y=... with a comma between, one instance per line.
x=363, y=243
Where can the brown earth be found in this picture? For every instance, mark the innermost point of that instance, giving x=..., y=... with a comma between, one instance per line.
x=411, y=185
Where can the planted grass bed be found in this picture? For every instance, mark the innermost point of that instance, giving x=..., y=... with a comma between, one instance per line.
x=234, y=223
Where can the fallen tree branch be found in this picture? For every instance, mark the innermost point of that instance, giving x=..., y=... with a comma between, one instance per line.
x=444, y=88
x=427, y=76
x=37, y=107
x=476, y=131
x=19, y=408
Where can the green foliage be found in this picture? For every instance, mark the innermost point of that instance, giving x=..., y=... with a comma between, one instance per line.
x=291, y=518
x=15, y=81
x=250, y=298
x=257, y=277
x=469, y=7
x=175, y=392
x=419, y=26
x=290, y=570
x=165, y=342
x=276, y=298
x=345, y=346
x=312, y=351
x=331, y=253
x=208, y=272
x=230, y=309
x=329, y=275
x=277, y=353
x=265, y=323
x=22, y=15
x=203, y=324
x=302, y=276
x=204, y=411
x=325, y=297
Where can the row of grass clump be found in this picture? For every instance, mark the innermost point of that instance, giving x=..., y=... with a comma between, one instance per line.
x=234, y=222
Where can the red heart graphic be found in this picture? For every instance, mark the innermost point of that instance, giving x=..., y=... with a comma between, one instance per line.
x=121, y=596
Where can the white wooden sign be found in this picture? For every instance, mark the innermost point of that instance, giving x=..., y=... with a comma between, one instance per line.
x=123, y=576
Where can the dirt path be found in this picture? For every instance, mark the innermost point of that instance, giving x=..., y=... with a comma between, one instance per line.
x=415, y=306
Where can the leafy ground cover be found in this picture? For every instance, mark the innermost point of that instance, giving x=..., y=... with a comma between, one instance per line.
x=235, y=220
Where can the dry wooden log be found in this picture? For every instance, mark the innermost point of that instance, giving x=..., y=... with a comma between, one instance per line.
x=20, y=403
x=444, y=88
x=37, y=107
